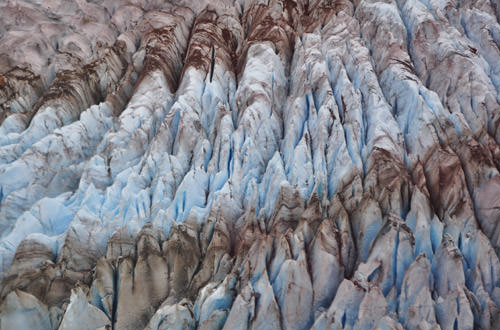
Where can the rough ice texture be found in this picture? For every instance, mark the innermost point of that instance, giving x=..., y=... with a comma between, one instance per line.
x=276, y=164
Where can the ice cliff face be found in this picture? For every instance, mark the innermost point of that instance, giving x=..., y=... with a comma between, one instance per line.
x=250, y=164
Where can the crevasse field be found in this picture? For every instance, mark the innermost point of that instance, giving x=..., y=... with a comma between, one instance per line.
x=249, y=164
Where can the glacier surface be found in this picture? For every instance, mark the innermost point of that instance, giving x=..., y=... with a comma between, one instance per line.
x=250, y=164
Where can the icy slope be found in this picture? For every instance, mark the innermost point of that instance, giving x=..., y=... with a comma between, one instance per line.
x=250, y=164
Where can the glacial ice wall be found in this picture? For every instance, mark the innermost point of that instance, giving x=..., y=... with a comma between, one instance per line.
x=249, y=164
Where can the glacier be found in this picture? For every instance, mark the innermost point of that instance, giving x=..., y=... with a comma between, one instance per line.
x=250, y=164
